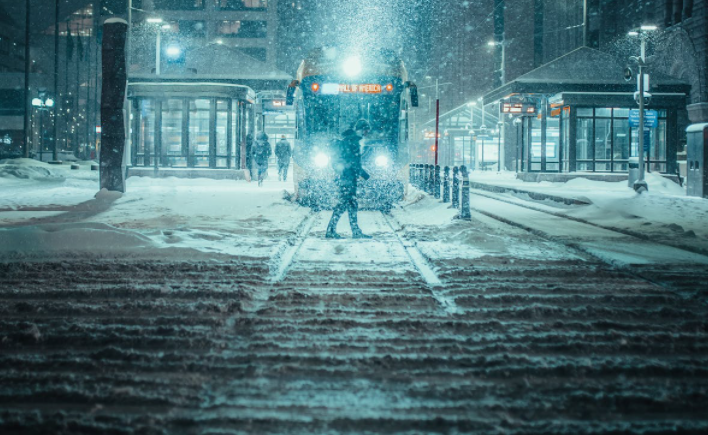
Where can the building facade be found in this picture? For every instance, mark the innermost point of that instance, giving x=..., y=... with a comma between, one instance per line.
x=250, y=26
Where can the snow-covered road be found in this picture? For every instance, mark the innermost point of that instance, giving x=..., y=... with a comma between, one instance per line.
x=198, y=306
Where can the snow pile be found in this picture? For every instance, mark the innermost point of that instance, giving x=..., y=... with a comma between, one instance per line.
x=92, y=237
x=28, y=169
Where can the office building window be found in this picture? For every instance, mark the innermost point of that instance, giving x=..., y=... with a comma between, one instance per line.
x=179, y=5
x=240, y=5
x=242, y=29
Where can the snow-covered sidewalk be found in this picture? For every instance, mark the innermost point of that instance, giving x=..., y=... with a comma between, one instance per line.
x=53, y=209
x=664, y=212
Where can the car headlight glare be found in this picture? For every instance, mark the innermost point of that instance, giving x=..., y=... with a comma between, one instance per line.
x=321, y=160
x=381, y=161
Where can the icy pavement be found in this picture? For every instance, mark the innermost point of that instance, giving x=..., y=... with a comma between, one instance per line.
x=202, y=306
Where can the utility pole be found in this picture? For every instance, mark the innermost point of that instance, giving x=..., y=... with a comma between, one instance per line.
x=640, y=185
x=27, y=79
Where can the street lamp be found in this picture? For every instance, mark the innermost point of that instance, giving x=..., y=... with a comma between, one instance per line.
x=42, y=103
x=502, y=71
x=160, y=27
x=640, y=185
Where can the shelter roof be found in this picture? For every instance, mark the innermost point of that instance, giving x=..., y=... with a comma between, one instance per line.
x=583, y=69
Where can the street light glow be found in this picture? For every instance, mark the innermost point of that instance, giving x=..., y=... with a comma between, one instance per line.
x=648, y=27
x=633, y=33
x=491, y=43
x=49, y=102
x=166, y=27
x=36, y=102
x=154, y=20
x=173, y=50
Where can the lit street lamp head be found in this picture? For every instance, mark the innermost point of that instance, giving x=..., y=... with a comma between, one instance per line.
x=173, y=50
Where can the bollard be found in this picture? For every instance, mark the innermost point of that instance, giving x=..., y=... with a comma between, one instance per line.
x=465, y=203
x=431, y=179
x=455, y=188
x=411, y=174
x=419, y=176
x=424, y=178
x=446, y=184
x=436, y=185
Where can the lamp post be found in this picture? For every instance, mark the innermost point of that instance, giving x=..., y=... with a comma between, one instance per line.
x=502, y=45
x=640, y=185
x=158, y=42
x=42, y=104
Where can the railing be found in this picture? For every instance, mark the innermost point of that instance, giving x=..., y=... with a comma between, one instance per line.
x=455, y=189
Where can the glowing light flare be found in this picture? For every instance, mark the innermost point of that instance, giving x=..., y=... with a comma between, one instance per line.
x=389, y=87
x=381, y=161
x=315, y=87
x=352, y=66
x=321, y=160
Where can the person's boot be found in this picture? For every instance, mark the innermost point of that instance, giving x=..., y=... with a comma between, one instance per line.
x=358, y=234
x=332, y=228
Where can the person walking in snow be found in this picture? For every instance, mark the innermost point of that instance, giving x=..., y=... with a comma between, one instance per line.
x=261, y=154
x=346, y=162
x=283, y=153
x=249, y=152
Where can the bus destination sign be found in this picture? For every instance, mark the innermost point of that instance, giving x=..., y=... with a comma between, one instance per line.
x=359, y=89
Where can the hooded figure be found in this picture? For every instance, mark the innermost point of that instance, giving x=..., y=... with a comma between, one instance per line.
x=346, y=162
x=283, y=153
x=261, y=154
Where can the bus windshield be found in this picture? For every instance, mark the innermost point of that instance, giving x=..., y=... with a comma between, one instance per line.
x=333, y=115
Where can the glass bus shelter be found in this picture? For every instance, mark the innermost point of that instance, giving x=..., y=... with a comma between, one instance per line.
x=190, y=125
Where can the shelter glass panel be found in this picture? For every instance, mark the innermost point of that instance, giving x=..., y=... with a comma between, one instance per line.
x=199, y=131
x=172, y=133
x=236, y=136
x=146, y=144
x=222, y=120
x=620, y=149
x=583, y=144
x=553, y=144
x=535, y=142
x=657, y=151
x=603, y=144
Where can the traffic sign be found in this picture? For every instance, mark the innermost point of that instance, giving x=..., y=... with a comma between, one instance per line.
x=651, y=118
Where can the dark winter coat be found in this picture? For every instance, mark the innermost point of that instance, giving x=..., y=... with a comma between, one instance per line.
x=346, y=157
x=262, y=152
x=282, y=151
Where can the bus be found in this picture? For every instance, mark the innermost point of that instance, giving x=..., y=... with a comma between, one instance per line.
x=335, y=88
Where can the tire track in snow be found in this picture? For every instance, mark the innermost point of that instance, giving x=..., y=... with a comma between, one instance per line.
x=281, y=263
x=423, y=267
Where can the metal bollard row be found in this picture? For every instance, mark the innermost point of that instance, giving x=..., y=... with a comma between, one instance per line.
x=455, y=187
x=446, y=184
x=436, y=183
x=465, y=203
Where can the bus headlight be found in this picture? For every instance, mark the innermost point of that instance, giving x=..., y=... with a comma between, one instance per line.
x=321, y=160
x=381, y=161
